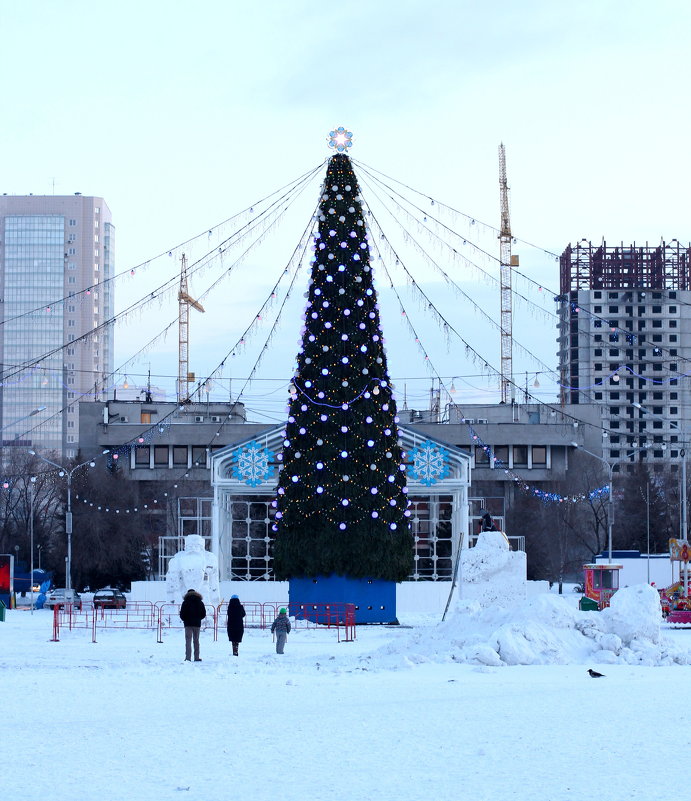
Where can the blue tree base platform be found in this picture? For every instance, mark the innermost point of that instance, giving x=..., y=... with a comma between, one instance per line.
x=374, y=599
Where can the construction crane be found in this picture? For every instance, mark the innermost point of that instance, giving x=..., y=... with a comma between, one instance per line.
x=185, y=378
x=507, y=261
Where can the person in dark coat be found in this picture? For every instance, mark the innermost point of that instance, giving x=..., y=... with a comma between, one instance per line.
x=192, y=612
x=487, y=523
x=236, y=626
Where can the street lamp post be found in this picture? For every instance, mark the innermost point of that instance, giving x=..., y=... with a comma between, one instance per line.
x=68, y=513
x=31, y=414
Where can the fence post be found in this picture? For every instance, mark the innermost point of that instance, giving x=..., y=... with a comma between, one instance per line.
x=56, y=624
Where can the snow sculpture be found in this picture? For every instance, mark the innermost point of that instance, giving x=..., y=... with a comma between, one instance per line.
x=195, y=568
x=491, y=573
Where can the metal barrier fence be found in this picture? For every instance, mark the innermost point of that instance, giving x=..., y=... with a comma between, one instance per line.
x=166, y=616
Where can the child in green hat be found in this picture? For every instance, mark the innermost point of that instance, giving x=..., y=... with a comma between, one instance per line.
x=281, y=627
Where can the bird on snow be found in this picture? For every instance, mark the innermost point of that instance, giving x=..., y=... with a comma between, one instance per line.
x=594, y=674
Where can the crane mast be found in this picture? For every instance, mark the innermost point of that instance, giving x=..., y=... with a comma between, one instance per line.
x=506, y=262
x=184, y=303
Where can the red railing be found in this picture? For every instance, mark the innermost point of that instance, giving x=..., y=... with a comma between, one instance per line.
x=165, y=616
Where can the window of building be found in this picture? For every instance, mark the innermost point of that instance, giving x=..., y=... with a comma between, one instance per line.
x=598, y=396
x=96, y=252
x=598, y=352
x=160, y=456
x=72, y=238
x=657, y=323
x=180, y=455
x=674, y=396
x=597, y=366
x=71, y=279
x=614, y=395
x=597, y=295
x=198, y=456
x=657, y=337
x=614, y=310
x=71, y=251
x=672, y=323
x=71, y=265
x=481, y=456
x=672, y=309
x=612, y=295
x=673, y=368
x=520, y=455
x=539, y=455
x=657, y=310
x=614, y=424
x=142, y=455
x=673, y=410
x=597, y=310
x=501, y=455
x=71, y=323
x=72, y=223
x=614, y=351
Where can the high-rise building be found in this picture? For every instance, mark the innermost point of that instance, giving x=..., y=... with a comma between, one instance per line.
x=56, y=259
x=625, y=344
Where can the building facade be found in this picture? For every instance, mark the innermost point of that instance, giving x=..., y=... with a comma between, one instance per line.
x=56, y=266
x=200, y=468
x=625, y=344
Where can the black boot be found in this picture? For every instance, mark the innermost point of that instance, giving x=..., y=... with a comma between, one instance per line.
x=235, y=649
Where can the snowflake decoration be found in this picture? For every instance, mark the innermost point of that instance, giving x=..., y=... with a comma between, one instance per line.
x=340, y=139
x=251, y=464
x=430, y=463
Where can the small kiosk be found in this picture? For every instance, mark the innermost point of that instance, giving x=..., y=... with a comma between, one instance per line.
x=601, y=582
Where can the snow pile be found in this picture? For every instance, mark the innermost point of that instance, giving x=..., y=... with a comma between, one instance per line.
x=491, y=573
x=548, y=629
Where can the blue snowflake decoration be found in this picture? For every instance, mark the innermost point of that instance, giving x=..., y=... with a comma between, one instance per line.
x=251, y=464
x=340, y=139
x=430, y=463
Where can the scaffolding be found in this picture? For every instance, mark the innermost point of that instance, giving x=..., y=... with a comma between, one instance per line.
x=587, y=266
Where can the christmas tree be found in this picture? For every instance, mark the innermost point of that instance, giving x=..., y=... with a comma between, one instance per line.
x=341, y=500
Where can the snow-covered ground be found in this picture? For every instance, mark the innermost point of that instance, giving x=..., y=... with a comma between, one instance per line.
x=425, y=710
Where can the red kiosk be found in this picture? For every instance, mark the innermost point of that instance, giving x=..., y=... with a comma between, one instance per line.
x=601, y=582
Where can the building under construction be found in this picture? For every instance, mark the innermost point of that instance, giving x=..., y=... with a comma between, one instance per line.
x=625, y=343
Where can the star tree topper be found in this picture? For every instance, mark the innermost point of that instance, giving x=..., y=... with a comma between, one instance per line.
x=340, y=139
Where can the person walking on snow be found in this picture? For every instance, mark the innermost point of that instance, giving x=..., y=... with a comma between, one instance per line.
x=281, y=627
x=192, y=612
x=235, y=625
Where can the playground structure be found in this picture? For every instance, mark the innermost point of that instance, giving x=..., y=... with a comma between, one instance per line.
x=675, y=601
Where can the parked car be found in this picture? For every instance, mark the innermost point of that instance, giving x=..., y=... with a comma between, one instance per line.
x=61, y=596
x=109, y=599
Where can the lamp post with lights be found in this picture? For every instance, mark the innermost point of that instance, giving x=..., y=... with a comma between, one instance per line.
x=68, y=513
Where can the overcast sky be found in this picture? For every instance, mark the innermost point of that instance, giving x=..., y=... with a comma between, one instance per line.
x=181, y=115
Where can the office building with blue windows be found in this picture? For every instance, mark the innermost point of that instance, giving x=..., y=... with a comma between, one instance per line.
x=56, y=262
